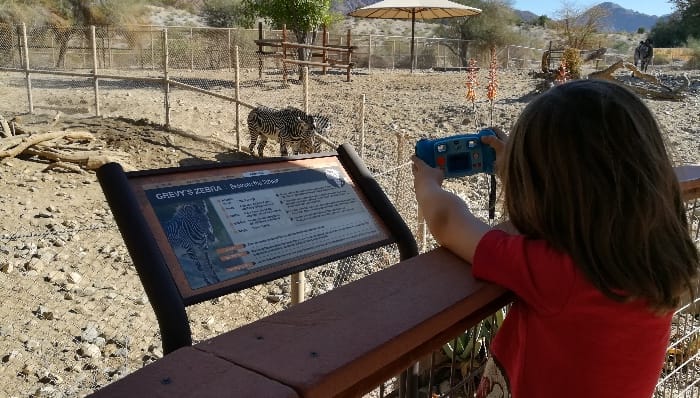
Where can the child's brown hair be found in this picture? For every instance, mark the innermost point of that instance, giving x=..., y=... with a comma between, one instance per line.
x=587, y=170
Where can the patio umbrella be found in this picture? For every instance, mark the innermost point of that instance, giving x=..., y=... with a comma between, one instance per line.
x=414, y=9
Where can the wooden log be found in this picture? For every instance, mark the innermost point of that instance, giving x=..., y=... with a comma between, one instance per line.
x=5, y=130
x=30, y=140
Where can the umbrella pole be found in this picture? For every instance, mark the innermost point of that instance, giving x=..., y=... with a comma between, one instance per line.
x=413, y=36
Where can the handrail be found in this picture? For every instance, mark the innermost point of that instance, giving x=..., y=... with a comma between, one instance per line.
x=689, y=179
x=340, y=344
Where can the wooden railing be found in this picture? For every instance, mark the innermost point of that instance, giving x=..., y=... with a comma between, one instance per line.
x=343, y=343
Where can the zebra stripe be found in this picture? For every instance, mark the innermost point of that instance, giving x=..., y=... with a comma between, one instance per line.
x=190, y=232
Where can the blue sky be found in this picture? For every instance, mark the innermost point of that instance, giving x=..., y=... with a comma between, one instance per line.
x=550, y=7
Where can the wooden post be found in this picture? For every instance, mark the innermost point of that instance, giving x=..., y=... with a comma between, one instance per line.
x=369, y=57
x=284, y=54
x=153, y=53
x=238, y=100
x=228, y=50
x=260, y=49
x=362, y=128
x=28, y=75
x=325, y=44
x=166, y=80
x=399, y=159
x=95, y=80
x=306, y=89
x=191, y=50
x=421, y=232
x=299, y=278
x=349, y=54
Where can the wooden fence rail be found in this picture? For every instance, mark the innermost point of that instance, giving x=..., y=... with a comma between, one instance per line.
x=326, y=50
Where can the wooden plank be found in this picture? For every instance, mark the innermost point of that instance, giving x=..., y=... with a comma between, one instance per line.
x=347, y=341
x=311, y=63
x=188, y=372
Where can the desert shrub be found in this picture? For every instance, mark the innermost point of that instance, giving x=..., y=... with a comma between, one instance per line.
x=572, y=58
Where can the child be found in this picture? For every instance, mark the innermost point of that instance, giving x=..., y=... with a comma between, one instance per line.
x=603, y=254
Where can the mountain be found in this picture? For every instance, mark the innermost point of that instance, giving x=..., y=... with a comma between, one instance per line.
x=624, y=20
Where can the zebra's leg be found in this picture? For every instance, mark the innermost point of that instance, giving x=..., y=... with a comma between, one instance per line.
x=283, y=147
x=261, y=145
x=253, y=139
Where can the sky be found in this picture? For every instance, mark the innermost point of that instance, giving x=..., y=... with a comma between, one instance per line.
x=550, y=7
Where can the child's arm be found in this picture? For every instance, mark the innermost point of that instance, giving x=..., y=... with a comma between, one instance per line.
x=447, y=216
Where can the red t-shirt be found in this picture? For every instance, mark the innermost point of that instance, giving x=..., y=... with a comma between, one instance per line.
x=562, y=337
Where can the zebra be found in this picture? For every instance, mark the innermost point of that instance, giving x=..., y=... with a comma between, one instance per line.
x=289, y=126
x=643, y=54
x=190, y=233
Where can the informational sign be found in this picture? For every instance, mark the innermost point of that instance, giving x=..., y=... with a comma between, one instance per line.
x=224, y=226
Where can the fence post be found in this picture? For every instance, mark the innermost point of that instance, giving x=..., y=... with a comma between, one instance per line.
x=166, y=81
x=399, y=158
x=299, y=278
x=228, y=38
x=26, y=67
x=238, y=100
x=349, y=54
x=508, y=57
x=362, y=128
x=95, y=80
x=306, y=89
x=369, y=56
x=325, y=52
x=153, y=54
x=260, y=50
x=191, y=50
x=284, y=54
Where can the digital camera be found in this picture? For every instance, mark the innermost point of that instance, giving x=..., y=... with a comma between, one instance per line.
x=458, y=155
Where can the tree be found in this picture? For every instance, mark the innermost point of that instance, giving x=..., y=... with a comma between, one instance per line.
x=690, y=16
x=226, y=13
x=578, y=27
x=302, y=17
x=681, y=27
x=493, y=27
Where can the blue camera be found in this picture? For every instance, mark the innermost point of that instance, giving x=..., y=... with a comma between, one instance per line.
x=458, y=155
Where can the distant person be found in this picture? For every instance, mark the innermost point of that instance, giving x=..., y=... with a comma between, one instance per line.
x=597, y=250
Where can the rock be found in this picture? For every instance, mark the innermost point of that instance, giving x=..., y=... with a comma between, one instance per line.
x=74, y=277
x=89, y=334
x=88, y=350
x=10, y=356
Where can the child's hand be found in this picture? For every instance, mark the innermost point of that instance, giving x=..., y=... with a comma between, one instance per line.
x=423, y=174
x=498, y=143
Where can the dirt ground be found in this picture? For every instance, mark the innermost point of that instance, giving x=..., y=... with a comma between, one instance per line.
x=74, y=316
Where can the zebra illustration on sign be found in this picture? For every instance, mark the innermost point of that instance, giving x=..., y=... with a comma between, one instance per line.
x=289, y=126
x=190, y=234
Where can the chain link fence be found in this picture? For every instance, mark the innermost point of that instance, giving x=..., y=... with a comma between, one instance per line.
x=78, y=281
